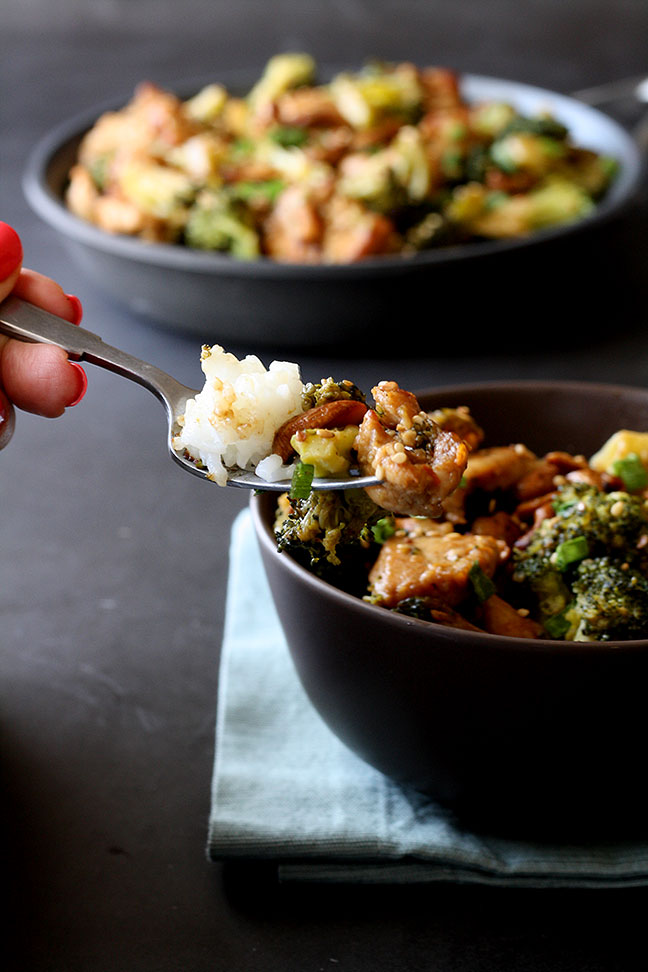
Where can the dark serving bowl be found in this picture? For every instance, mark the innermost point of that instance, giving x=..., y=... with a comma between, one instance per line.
x=535, y=736
x=263, y=302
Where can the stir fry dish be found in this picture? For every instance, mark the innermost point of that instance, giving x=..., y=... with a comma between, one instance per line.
x=390, y=159
x=529, y=546
x=489, y=538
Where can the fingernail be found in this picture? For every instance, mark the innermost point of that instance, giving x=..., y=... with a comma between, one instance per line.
x=77, y=308
x=82, y=385
x=7, y=420
x=11, y=251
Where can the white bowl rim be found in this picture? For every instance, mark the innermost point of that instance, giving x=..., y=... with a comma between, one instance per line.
x=52, y=210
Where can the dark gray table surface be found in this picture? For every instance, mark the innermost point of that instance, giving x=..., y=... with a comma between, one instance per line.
x=113, y=563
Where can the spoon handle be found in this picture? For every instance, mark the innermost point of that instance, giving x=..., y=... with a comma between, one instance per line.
x=24, y=321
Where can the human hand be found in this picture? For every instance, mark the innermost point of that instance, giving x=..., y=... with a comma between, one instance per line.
x=36, y=378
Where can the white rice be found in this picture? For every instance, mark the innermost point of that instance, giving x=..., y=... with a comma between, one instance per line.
x=231, y=423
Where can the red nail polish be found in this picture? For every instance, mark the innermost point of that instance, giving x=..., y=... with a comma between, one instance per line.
x=7, y=420
x=77, y=308
x=82, y=386
x=11, y=251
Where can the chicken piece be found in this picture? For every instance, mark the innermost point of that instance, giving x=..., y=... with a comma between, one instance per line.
x=454, y=506
x=152, y=122
x=600, y=480
x=451, y=619
x=422, y=526
x=327, y=145
x=419, y=463
x=379, y=134
x=528, y=509
x=294, y=228
x=501, y=618
x=502, y=525
x=499, y=467
x=459, y=420
x=81, y=194
x=432, y=566
x=541, y=477
x=440, y=89
x=117, y=215
x=310, y=106
x=352, y=232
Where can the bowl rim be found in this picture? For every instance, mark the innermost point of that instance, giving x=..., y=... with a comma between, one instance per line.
x=483, y=640
x=49, y=206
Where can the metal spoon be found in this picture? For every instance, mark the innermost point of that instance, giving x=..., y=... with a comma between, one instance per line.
x=26, y=322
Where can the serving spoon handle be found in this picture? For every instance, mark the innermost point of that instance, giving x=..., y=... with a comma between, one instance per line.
x=24, y=321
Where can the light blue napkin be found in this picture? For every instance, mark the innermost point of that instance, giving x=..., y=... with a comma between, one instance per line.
x=286, y=790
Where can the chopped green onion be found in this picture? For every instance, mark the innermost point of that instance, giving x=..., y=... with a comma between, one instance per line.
x=383, y=529
x=495, y=199
x=557, y=625
x=302, y=479
x=263, y=189
x=243, y=146
x=289, y=136
x=570, y=551
x=563, y=507
x=632, y=471
x=482, y=584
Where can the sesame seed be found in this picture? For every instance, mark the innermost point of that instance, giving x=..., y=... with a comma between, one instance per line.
x=617, y=508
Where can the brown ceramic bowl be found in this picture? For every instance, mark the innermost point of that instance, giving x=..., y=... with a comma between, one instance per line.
x=525, y=735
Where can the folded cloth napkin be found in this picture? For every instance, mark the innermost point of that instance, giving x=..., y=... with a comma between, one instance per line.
x=286, y=790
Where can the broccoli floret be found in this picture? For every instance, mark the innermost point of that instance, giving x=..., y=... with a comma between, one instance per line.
x=544, y=125
x=590, y=528
x=330, y=390
x=525, y=152
x=331, y=533
x=415, y=607
x=396, y=176
x=611, y=602
x=217, y=222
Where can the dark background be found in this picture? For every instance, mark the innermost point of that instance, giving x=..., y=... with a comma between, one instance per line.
x=113, y=563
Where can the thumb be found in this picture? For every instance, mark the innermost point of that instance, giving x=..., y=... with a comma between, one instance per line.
x=11, y=254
